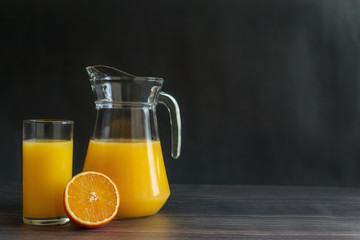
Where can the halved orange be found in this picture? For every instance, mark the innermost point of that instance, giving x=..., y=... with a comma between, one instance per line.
x=91, y=199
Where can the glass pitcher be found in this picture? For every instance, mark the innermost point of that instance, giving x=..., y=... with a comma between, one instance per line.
x=125, y=144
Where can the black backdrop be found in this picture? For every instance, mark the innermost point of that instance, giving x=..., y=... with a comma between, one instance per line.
x=268, y=90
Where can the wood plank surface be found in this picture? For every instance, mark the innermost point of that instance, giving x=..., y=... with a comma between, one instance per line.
x=213, y=212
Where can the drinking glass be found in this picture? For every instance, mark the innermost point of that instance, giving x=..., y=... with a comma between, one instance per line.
x=47, y=168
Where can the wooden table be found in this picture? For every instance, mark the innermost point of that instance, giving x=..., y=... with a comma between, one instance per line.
x=213, y=212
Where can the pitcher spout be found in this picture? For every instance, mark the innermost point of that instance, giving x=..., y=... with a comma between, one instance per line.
x=102, y=72
x=113, y=87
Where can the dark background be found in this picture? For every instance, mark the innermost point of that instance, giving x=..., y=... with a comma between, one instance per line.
x=268, y=90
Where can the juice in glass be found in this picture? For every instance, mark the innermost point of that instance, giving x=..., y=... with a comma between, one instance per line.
x=47, y=168
x=137, y=168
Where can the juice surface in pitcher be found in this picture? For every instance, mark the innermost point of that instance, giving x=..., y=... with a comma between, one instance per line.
x=137, y=168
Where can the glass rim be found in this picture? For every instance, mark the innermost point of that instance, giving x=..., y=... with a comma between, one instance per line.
x=61, y=121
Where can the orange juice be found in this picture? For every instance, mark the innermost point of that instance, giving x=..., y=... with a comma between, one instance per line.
x=47, y=168
x=137, y=168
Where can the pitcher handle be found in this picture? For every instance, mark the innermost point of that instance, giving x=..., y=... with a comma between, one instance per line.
x=175, y=122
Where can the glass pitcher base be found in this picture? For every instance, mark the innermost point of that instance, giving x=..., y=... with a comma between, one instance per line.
x=139, y=215
x=140, y=208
